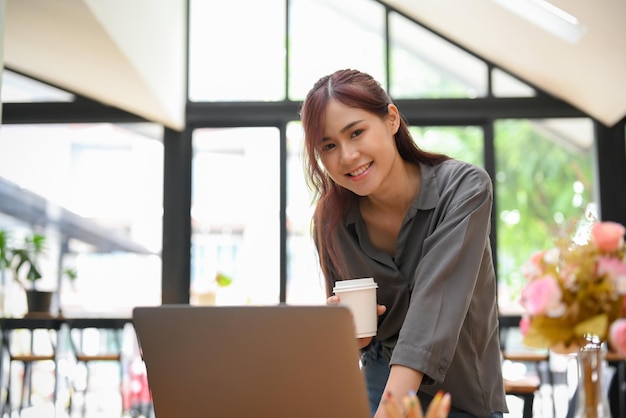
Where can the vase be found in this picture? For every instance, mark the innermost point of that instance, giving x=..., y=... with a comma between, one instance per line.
x=591, y=399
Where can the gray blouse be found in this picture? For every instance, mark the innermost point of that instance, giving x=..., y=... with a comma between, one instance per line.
x=440, y=288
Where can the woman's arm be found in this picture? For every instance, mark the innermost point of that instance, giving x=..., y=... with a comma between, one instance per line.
x=402, y=380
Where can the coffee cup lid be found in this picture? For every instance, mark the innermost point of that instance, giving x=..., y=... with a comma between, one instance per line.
x=352, y=284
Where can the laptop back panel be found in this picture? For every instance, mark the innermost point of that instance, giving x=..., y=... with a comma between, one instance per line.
x=251, y=361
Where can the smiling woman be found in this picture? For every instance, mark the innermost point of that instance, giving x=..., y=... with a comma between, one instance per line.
x=352, y=137
x=418, y=223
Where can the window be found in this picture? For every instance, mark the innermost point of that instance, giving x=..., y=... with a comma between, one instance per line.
x=305, y=283
x=426, y=66
x=236, y=50
x=95, y=191
x=328, y=35
x=543, y=179
x=257, y=61
x=464, y=143
x=235, y=215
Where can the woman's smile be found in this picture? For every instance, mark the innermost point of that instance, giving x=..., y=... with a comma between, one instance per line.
x=358, y=173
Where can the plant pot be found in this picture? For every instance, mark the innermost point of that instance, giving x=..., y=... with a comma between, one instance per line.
x=39, y=301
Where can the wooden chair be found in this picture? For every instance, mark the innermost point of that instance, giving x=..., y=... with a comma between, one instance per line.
x=95, y=340
x=524, y=388
x=20, y=343
x=527, y=386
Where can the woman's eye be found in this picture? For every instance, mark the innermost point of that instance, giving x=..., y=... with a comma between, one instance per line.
x=328, y=147
x=356, y=133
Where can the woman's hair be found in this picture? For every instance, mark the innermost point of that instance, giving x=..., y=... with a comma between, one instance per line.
x=359, y=90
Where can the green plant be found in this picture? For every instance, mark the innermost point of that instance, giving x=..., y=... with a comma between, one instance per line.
x=71, y=273
x=24, y=260
x=5, y=255
x=222, y=280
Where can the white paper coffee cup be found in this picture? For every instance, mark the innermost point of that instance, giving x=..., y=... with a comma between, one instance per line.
x=359, y=295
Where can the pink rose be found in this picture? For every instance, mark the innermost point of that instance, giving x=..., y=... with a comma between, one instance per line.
x=535, y=266
x=617, y=336
x=524, y=325
x=541, y=296
x=607, y=236
x=615, y=269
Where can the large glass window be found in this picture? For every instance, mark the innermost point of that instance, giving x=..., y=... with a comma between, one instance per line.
x=237, y=50
x=424, y=65
x=544, y=179
x=505, y=85
x=235, y=216
x=305, y=282
x=19, y=89
x=464, y=143
x=95, y=192
x=248, y=50
x=329, y=35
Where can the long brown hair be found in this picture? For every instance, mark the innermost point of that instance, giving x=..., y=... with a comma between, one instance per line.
x=358, y=90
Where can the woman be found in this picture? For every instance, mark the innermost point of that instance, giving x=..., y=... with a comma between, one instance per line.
x=418, y=223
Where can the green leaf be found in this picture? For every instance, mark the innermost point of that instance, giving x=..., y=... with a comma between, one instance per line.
x=223, y=280
x=597, y=325
x=545, y=332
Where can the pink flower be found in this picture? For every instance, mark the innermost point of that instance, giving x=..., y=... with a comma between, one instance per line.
x=617, y=336
x=607, y=236
x=535, y=266
x=532, y=268
x=568, y=275
x=524, y=325
x=615, y=269
x=542, y=296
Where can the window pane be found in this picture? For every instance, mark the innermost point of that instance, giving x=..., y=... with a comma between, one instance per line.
x=305, y=282
x=544, y=179
x=235, y=215
x=424, y=65
x=328, y=35
x=505, y=85
x=237, y=50
x=464, y=143
x=95, y=191
x=19, y=89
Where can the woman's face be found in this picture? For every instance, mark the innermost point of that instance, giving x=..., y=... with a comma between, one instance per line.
x=358, y=148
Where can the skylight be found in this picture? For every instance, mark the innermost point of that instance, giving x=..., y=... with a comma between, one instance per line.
x=548, y=17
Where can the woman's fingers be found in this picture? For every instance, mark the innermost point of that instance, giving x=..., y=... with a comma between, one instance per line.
x=364, y=342
x=381, y=309
x=333, y=300
x=412, y=406
x=439, y=406
x=392, y=408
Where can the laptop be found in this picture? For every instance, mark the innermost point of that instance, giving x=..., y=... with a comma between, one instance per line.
x=277, y=361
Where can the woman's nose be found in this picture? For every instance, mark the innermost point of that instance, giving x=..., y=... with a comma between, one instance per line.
x=349, y=153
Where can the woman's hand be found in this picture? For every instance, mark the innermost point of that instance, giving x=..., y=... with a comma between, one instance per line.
x=409, y=406
x=380, y=309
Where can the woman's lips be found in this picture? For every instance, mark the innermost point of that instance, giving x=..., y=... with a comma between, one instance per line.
x=360, y=170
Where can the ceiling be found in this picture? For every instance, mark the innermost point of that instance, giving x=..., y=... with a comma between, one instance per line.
x=590, y=75
x=126, y=54
x=135, y=60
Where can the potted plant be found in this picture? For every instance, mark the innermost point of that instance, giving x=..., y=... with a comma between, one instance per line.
x=25, y=266
x=207, y=295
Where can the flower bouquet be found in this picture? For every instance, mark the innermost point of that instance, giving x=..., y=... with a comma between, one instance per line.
x=577, y=289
